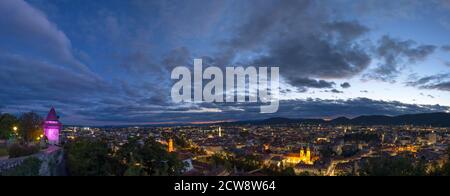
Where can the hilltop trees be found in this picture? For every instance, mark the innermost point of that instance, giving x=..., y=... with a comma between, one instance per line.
x=30, y=126
x=147, y=157
x=392, y=166
x=86, y=157
x=27, y=127
x=7, y=123
x=89, y=157
x=230, y=162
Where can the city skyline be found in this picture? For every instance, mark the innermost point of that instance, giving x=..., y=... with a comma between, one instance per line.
x=109, y=62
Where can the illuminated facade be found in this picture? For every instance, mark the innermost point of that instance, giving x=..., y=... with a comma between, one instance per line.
x=170, y=146
x=52, y=127
x=304, y=157
x=266, y=147
x=407, y=148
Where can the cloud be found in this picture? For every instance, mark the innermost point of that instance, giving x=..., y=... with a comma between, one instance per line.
x=25, y=79
x=345, y=85
x=300, y=37
x=443, y=86
x=438, y=82
x=357, y=107
x=446, y=48
x=25, y=28
x=346, y=30
x=134, y=49
x=336, y=91
x=395, y=54
x=298, y=108
x=305, y=83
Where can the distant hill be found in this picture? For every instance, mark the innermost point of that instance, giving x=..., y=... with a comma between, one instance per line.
x=425, y=119
x=432, y=119
x=274, y=121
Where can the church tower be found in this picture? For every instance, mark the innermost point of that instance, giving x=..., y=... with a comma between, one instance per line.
x=52, y=127
x=170, y=145
x=308, y=154
x=302, y=153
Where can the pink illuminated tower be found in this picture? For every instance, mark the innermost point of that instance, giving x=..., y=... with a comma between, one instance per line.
x=52, y=127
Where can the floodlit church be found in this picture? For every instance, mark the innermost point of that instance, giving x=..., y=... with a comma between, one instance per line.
x=304, y=157
x=52, y=127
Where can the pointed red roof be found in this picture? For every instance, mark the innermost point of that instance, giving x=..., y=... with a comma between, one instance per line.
x=52, y=115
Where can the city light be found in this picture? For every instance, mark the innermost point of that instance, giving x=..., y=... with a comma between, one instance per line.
x=225, y=88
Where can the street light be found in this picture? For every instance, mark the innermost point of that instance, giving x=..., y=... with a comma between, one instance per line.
x=15, y=128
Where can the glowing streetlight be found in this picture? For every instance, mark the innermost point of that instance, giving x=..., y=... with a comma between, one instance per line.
x=15, y=128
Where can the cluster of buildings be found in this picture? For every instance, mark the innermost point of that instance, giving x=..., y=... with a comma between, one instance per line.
x=313, y=148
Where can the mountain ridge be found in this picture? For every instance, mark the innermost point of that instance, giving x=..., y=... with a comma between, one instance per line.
x=438, y=119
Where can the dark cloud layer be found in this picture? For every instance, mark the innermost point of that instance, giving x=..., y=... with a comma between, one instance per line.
x=438, y=82
x=336, y=91
x=309, y=108
x=396, y=54
x=304, y=83
x=34, y=32
x=104, y=65
x=345, y=85
x=301, y=38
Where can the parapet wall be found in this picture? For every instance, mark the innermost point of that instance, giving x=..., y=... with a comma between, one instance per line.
x=52, y=162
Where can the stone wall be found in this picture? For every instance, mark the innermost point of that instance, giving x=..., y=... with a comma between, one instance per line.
x=52, y=162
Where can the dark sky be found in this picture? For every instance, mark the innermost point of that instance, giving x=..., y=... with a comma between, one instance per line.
x=108, y=62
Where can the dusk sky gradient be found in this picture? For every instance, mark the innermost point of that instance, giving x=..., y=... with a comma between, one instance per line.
x=108, y=62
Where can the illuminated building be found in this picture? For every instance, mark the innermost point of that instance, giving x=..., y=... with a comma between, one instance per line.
x=432, y=138
x=407, y=148
x=220, y=132
x=170, y=146
x=52, y=127
x=266, y=147
x=304, y=157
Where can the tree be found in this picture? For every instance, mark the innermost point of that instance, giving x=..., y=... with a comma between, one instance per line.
x=7, y=123
x=279, y=171
x=244, y=163
x=88, y=157
x=30, y=126
x=157, y=161
x=148, y=158
x=392, y=166
x=134, y=170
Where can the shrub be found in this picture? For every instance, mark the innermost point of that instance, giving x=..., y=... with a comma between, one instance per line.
x=3, y=152
x=29, y=167
x=17, y=150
